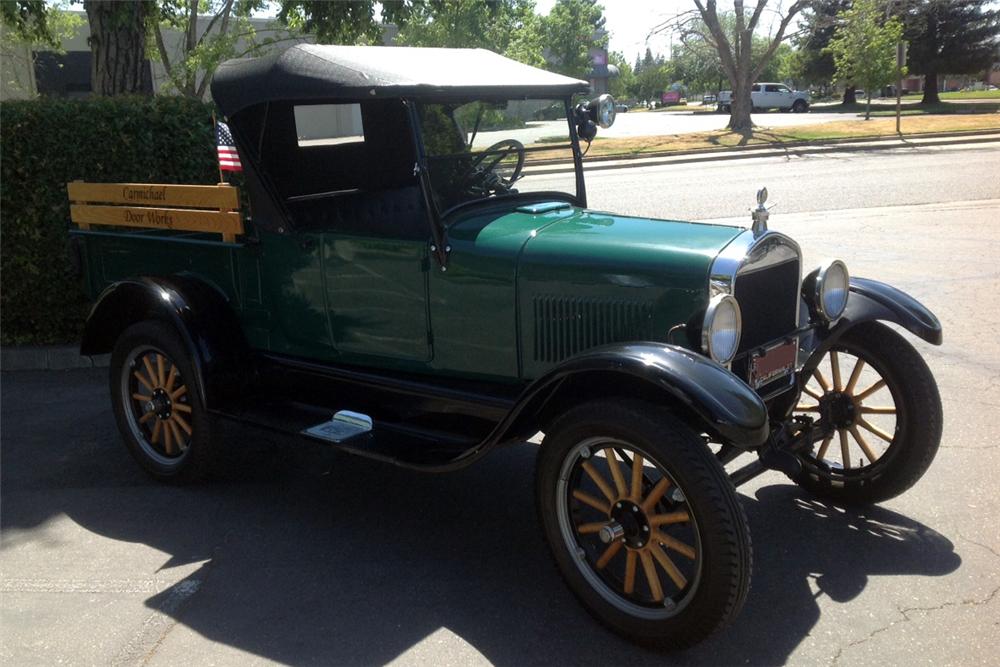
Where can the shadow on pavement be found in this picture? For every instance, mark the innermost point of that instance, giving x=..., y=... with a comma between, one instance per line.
x=314, y=557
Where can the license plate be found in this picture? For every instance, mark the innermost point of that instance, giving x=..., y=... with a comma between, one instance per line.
x=776, y=362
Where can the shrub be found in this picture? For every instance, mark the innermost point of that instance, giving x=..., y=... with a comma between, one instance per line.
x=46, y=143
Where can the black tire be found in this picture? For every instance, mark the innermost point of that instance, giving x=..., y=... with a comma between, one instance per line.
x=800, y=106
x=915, y=433
x=178, y=456
x=717, y=574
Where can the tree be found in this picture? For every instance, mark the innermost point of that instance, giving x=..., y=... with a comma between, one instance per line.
x=571, y=29
x=814, y=62
x=346, y=21
x=27, y=28
x=509, y=27
x=623, y=86
x=740, y=61
x=950, y=37
x=223, y=31
x=27, y=21
x=696, y=62
x=117, y=46
x=864, y=47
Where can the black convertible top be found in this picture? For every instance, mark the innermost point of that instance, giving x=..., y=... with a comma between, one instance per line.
x=324, y=72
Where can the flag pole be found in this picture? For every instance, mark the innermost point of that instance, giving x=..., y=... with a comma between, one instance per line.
x=215, y=128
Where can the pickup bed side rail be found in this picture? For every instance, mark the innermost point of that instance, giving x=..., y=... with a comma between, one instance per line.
x=189, y=208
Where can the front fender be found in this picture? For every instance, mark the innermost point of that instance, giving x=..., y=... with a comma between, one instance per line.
x=869, y=301
x=725, y=403
x=199, y=313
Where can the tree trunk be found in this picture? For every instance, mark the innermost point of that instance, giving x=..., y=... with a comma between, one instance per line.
x=117, y=46
x=740, y=107
x=742, y=103
x=868, y=105
x=930, y=89
x=849, y=96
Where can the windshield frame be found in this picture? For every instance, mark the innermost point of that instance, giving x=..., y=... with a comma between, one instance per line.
x=442, y=220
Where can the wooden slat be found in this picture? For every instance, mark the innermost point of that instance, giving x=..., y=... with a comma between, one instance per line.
x=162, y=195
x=228, y=224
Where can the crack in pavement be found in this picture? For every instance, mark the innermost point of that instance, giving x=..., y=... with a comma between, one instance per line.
x=905, y=613
x=979, y=544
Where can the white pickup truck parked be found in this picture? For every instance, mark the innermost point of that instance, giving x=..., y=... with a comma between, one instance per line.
x=769, y=96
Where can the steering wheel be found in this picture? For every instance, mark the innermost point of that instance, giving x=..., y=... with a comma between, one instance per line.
x=483, y=176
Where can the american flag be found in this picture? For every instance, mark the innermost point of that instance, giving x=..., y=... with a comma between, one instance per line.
x=229, y=159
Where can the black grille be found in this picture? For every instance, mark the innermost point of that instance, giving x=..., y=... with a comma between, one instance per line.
x=565, y=326
x=768, y=299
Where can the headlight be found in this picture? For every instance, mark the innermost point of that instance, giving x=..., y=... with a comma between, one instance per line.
x=826, y=290
x=720, y=332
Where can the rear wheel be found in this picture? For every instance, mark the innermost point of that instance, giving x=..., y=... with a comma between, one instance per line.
x=879, y=405
x=643, y=522
x=158, y=406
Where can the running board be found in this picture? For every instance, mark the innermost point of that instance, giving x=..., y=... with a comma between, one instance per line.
x=351, y=432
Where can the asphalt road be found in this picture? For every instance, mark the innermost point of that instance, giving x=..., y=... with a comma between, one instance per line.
x=299, y=556
x=644, y=124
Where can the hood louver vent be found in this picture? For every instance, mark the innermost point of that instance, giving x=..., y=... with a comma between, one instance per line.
x=565, y=326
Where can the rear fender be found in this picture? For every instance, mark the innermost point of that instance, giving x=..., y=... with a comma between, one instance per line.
x=200, y=314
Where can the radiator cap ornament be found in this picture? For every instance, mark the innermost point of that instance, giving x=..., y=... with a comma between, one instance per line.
x=760, y=214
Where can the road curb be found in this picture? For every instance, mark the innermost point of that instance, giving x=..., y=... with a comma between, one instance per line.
x=747, y=152
x=48, y=358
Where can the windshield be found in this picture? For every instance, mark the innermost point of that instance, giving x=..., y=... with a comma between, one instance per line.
x=485, y=148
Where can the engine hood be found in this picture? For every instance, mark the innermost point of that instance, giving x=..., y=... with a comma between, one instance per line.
x=573, y=236
x=586, y=278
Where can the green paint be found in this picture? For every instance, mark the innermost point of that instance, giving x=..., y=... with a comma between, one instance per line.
x=518, y=285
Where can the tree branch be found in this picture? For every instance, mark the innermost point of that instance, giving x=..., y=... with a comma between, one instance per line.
x=773, y=46
x=224, y=13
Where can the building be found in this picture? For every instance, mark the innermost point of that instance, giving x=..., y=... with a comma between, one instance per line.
x=26, y=74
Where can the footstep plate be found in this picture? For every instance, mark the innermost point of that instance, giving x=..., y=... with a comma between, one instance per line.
x=344, y=426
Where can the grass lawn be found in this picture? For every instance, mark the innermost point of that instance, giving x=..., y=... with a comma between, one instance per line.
x=972, y=95
x=910, y=106
x=877, y=127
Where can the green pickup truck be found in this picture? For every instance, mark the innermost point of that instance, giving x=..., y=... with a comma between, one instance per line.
x=415, y=277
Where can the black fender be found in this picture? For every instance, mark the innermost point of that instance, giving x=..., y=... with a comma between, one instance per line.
x=725, y=404
x=199, y=312
x=871, y=301
x=717, y=400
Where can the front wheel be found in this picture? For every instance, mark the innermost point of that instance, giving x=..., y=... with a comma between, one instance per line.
x=800, y=106
x=879, y=408
x=643, y=522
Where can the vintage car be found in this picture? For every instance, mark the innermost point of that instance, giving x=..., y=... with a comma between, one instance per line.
x=416, y=278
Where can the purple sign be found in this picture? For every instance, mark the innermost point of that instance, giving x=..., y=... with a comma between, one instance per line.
x=671, y=97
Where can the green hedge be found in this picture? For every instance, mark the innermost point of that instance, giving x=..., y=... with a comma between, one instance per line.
x=46, y=143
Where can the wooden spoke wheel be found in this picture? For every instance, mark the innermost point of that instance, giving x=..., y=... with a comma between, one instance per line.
x=877, y=406
x=642, y=521
x=627, y=519
x=158, y=405
x=159, y=412
x=856, y=407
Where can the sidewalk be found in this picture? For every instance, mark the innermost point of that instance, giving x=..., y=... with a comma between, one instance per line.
x=775, y=150
x=48, y=358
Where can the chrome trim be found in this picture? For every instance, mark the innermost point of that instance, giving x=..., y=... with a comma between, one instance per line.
x=706, y=326
x=749, y=252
